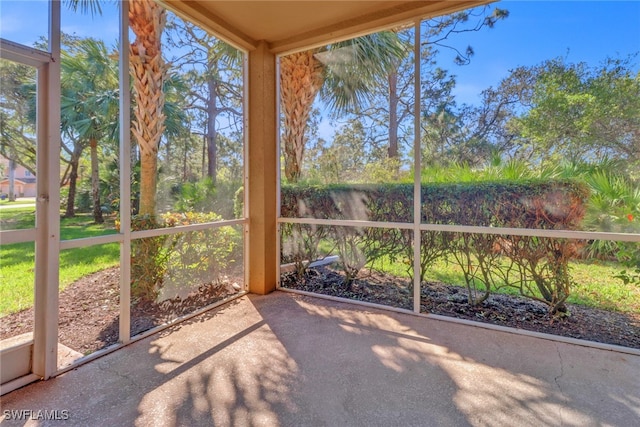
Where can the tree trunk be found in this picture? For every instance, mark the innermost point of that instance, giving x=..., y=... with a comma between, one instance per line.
x=300, y=80
x=148, y=182
x=74, y=162
x=393, y=115
x=12, y=180
x=147, y=20
x=185, y=154
x=212, y=113
x=204, y=152
x=95, y=182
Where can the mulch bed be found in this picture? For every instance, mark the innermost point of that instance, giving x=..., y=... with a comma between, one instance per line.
x=89, y=311
x=438, y=298
x=89, y=308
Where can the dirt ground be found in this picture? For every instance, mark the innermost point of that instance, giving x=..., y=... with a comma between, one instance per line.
x=89, y=309
x=517, y=312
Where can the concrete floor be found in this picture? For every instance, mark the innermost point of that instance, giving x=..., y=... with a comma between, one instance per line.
x=290, y=360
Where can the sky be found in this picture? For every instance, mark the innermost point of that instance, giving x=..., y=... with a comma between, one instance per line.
x=579, y=31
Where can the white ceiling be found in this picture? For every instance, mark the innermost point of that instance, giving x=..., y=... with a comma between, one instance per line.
x=293, y=25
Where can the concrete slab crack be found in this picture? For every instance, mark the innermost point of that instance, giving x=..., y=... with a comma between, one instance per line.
x=557, y=381
x=106, y=368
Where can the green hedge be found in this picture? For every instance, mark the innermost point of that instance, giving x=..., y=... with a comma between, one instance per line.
x=537, y=267
x=548, y=205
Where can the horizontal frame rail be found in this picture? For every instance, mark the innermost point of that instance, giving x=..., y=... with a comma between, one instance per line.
x=347, y=223
x=532, y=232
x=23, y=54
x=8, y=237
x=119, y=238
x=90, y=241
x=185, y=228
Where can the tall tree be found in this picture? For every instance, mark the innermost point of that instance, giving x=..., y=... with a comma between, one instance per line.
x=17, y=117
x=147, y=20
x=582, y=112
x=89, y=107
x=214, y=75
x=342, y=73
x=391, y=112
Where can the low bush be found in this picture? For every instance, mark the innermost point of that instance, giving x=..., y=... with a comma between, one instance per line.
x=180, y=259
x=203, y=255
x=148, y=259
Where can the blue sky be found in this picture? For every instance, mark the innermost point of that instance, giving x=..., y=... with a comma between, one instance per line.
x=580, y=31
x=586, y=31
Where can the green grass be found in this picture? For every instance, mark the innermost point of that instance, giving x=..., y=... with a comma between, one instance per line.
x=17, y=218
x=6, y=202
x=17, y=260
x=16, y=277
x=594, y=286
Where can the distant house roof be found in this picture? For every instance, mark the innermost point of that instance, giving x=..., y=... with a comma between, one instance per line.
x=20, y=180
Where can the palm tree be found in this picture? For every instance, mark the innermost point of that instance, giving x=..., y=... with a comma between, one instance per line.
x=342, y=73
x=17, y=115
x=147, y=20
x=89, y=106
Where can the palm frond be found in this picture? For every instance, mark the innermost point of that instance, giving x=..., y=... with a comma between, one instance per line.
x=91, y=7
x=352, y=67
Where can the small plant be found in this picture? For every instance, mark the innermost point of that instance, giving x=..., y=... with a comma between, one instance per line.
x=629, y=256
x=543, y=269
x=199, y=256
x=301, y=243
x=476, y=257
x=352, y=257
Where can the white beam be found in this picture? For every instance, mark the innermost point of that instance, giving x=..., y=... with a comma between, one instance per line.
x=45, y=334
x=125, y=176
x=417, y=169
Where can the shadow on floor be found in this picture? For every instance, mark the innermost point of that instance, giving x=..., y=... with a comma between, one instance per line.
x=290, y=360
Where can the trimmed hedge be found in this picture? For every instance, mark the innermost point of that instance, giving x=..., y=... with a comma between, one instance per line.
x=547, y=205
x=537, y=267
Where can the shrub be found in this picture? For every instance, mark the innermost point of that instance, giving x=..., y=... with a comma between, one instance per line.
x=238, y=203
x=199, y=256
x=537, y=267
x=206, y=195
x=302, y=244
x=542, y=265
x=180, y=259
x=148, y=260
x=629, y=257
x=476, y=258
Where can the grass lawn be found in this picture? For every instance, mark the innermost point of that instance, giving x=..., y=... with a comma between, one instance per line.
x=17, y=260
x=24, y=201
